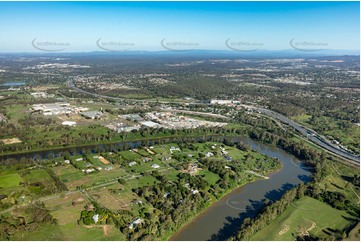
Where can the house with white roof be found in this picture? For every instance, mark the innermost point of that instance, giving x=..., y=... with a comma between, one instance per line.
x=155, y=166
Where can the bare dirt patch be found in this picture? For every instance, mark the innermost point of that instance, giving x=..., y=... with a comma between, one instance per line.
x=106, y=229
x=149, y=151
x=284, y=229
x=305, y=232
x=11, y=141
x=44, y=88
x=103, y=160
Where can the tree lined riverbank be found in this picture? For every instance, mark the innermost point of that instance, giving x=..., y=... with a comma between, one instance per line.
x=221, y=220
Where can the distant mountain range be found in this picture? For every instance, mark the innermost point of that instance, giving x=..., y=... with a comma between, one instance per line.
x=201, y=53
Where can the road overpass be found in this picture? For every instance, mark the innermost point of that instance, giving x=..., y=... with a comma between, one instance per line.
x=309, y=133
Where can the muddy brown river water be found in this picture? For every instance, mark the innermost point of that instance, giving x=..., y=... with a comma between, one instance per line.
x=222, y=219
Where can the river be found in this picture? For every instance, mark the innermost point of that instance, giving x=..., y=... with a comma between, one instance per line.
x=222, y=219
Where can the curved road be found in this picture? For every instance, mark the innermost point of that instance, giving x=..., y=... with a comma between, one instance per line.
x=309, y=133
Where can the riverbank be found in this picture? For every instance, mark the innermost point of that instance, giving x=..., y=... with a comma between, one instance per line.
x=57, y=149
x=209, y=205
x=214, y=202
x=224, y=207
x=223, y=218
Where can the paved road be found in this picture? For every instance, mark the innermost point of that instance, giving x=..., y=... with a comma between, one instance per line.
x=309, y=133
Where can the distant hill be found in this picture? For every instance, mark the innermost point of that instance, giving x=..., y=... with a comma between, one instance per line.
x=202, y=53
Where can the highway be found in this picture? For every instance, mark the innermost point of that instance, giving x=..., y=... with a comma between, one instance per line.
x=307, y=132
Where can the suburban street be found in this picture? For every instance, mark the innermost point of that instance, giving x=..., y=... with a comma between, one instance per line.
x=311, y=135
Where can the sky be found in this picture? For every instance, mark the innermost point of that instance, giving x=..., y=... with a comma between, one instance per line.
x=118, y=26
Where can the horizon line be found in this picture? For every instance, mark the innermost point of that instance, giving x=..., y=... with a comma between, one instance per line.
x=179, y=51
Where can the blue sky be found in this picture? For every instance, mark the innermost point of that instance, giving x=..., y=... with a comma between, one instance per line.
x=206, y=25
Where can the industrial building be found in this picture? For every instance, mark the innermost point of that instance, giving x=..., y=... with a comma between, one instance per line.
x=92, y=114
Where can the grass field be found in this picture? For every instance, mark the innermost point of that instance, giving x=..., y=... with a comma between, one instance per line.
x=68, y=173
x=307, y=215
x=73, y=177
x=80, y=164
x=66, y=213
x=142, y=152
x=38, y=175
x=142, y=167
x=38, y=182
x=211, y=177
x=119, y=199
x=95, y=161
x=164, y=149
x=16, y=111
x=103, y=186
x=141, y=181
x=10, y=180
x=72, y=232
x=171, y=174
x=130, y=155
x=67, y=228
x=336, y=181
